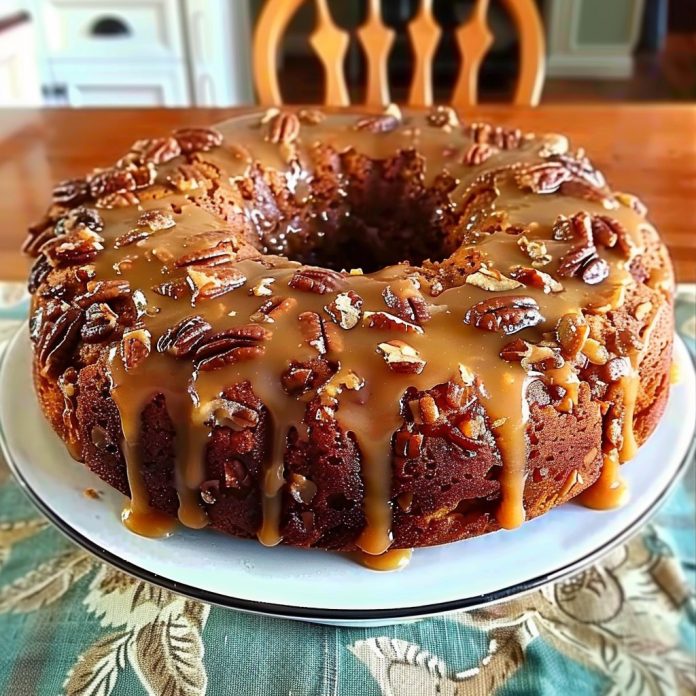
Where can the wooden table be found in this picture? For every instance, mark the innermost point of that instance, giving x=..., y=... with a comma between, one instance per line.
x=649, y=150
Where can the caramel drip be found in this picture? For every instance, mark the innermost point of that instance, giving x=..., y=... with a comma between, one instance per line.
x=396, y=559
x=609, y=491
x=364, y=393
x=629, y=446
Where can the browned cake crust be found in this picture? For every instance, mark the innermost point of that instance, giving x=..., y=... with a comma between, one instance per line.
x=595, y=366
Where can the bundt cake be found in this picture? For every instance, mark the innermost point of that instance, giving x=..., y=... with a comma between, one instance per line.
x=357, y=333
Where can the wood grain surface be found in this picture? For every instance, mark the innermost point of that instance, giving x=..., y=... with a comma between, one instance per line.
x=648, y=150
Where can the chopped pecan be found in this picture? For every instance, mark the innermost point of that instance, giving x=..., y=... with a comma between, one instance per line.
x=609, y=232
x=283, y=128
x=188, y=177
x=323, y=336
x=58, y=340
x=207, y=283
x=478, y=153
x=406, y=301
x=232, y=414
x=502, y=138
x=297, y=379
x=317, y=280
x=301, y=489
x=492, y=280
x=221, y=253
x=135, y=347
x=507, y=314
x=100, y=323
x=311, y=117
x=444, y=117
x=535, y=249
x=572, y=331
x=595, y=352
x=182, y=339
x=408, y=445
x=237, y=475
x=515, y=350
x=383, y=123
x=230, y=346
x=273, y=308
x=176, y=289
x=390, y=322
x=346, y=309
x=103, y=291
x=197, y=139
x=71, y=192
x=425, y=410
x=615, y=369
x=535, y=278
x=156, y=150
x=580, y=167
x=262, y=288
x=401, y=357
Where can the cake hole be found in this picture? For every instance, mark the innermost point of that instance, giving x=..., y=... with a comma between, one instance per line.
x=339, y=502
x=363, y=213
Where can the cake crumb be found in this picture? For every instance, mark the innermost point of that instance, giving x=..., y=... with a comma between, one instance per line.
x=92, y=493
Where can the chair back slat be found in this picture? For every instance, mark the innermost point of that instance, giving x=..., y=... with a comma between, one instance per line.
x=473, y=38
x=424, y=33
x=331, y=43
x=376, y=40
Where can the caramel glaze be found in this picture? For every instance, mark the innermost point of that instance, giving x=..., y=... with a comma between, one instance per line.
x=364, y=393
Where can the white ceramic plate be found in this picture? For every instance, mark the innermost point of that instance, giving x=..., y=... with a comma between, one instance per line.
x=330, y=587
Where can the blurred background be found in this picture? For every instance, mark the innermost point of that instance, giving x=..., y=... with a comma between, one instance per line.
x=80, y=53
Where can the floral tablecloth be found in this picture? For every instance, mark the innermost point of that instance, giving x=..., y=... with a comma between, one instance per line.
x=71, y=625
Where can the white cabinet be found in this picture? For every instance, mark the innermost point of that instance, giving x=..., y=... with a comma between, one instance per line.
x=19, y=75
x=145, y=52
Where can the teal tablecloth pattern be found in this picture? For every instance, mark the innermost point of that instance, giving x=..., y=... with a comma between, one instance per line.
x=72, y=625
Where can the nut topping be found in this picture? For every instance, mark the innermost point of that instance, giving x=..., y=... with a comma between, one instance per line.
x=536, y=250
x=507, y=314
x=401, y=358
x=283, y=128
x=58, y=340
x=197, y=139
x=317, y=280
x=231, y=414
x=135, y=347
x=390, y=322
x=572, y=331
x=263, y=288
x=346, y=309
x=405, y=300
x=384, y=123
x=230, y=346
x=478, y=153
x=320, y=334
x=208, y=283
x=156, y=150
x=311, y=117
x=103, y=291
x=535, y=278
x=492, y=280
x=408, y=445
x=444, y=117
x=273, y=308
x=100, y=323
x=218, y=255
x=71, y=191
x=182, y=339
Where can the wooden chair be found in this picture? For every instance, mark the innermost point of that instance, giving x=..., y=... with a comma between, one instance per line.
x=331, y=44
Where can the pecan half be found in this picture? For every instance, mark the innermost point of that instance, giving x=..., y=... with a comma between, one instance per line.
x=401, y=357
x=221, y=253
x=197, y=139
x=175, y=289
x=58, y=340
x=100, y=323
x=71, y=191
x=108, y=181
x=80, y=217
x=135, y=347
x=38, y=273
x=156, y=150
x=478, y=153
x=384, y=123
x=507, y=314
x=491, y=280
x=103, y=291
x=125, y=199
x=405, y=300
x=188, y=177
x=301, y=377
x=609, y=233
x=230, y=346
x=317, y=280
x=79, y=247
x=323, y=336
x=346, y=309
x=584, y=262
x=208, y=283
x=283, y=128
x=182, y=339
x=500, y=137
